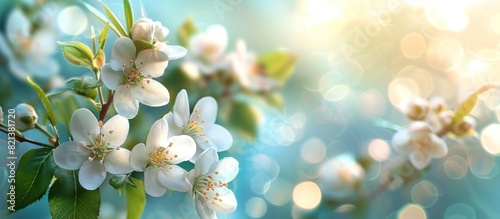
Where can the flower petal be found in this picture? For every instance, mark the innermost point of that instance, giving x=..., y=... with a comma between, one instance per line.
x=115, y=130
x=181, y=108
x=151, y=62
x=92, y=174
x=17, y=26
x=220, y=137
x=439, y=148
x=117, y=161
x=203, y=211
x=174, y=178
x=83, y=123
x=157, y=136
x=139, y=157
x=401, y=142
x=180, y=148
x=226, y=169
x=228, y=203
x=205, y=111
x=152, y=93
x=173, y=129
x=70, y=155
x=151, y=183
x=125, y=103
x=419, y=159
x=173, y=52
x=111, y=78
x=122, y=53
x=5, y=47
x=205, y=161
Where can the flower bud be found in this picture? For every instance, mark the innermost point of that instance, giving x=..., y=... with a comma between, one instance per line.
x=415, y=109
x=446, y=118
x=464, y=127
x=26, y=117
x=160, y=32
x=438, y=104
x=143, y=29
x=340, y=177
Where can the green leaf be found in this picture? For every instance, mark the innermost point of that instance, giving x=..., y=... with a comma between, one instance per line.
x=274, y=99
x=466, y=107
x=77, y=53
x=33, y=176
x=68, y=199
x=185, y=32
x=101, y=17
x=278, y=64
x=141, y=45
x=244, y=118
x=129, y=15
x=136, y=198
x=45, y=101
x=103, y=35
x=114, y=19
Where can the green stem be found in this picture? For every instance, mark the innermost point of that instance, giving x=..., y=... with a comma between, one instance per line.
x=44, y=131
x=21, y=138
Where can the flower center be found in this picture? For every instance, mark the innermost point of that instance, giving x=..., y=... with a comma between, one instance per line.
x=194, y=128
x=424, y=143
x=206, y=186
x=134, y=75
x=161, y=156
x=99, y=148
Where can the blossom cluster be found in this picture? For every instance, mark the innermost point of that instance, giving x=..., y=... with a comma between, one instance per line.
x=181, y=135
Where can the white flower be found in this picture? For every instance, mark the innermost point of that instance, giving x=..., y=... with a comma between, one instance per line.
x=154, y=32
x=200, y=124
x=340, y=176
x=131, y=77
x=248, y=72
x=1, y=115
x=158, y=159
x=415, y=108
x=95, y=148
x=26, y=117
x=208, y=181
x=420, y=143
x=27, y=49
x=206, y=49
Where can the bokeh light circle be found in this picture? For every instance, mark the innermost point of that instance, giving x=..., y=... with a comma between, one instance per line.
x=72, y=20
x=256, y=207
x=379, y=150
x=313, y=150
x=424, y=193
x=280, y=192
x=306, y=195
x=413, y=45
x=412, y=211
x=401, y=89
x=460, y=211
x=490, y=139
x=455, y=167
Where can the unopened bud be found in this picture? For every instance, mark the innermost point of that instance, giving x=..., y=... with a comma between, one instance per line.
x=446, y=118
x=415, y=109
x=143, y=29
x=438, y=104
x=26, y=117
x=160, y=32
x=465, y=126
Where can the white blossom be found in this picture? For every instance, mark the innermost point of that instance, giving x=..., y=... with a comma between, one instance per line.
x=420, y=143
x=199, y=124
x=208, y=182
x=158, y=158
x=95, y=148
x=206, y=50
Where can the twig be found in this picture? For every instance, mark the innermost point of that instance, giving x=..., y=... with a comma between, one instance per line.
x=21, y=138
x=105, y=107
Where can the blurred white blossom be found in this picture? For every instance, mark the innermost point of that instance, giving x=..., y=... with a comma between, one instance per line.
x=340, y=176
x=206, y=50
x=29, y=47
